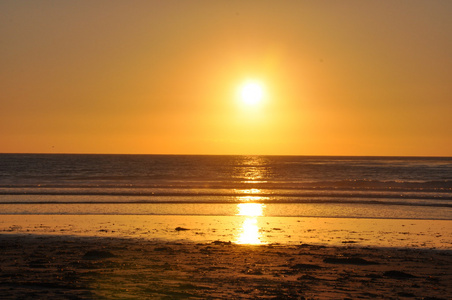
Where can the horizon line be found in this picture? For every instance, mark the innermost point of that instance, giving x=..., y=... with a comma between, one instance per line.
x=179, y=154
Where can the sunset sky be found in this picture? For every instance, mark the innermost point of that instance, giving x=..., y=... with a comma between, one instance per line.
x=165, y=77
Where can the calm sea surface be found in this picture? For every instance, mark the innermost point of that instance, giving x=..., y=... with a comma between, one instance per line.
x=357, y=187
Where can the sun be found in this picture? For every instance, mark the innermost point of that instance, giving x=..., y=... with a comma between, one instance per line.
x=252, y=92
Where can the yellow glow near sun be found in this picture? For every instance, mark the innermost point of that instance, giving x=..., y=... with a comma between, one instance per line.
x=252, y=92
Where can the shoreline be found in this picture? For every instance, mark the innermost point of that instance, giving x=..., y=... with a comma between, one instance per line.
x=302, y=210
x=81, y=267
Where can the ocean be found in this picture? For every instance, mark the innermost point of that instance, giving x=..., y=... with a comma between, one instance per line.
x=272, y=186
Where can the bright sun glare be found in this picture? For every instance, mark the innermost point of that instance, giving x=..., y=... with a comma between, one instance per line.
x=252, y=92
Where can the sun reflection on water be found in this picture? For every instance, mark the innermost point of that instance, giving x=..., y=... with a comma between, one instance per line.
x=252, y=191
x=252, y=169
x=250, y=231
x=251, y=199
x=250, y=209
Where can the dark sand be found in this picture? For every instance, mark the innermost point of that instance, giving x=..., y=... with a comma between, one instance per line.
x=68, y=267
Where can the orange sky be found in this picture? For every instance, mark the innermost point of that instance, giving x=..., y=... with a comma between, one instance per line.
x=161, y=77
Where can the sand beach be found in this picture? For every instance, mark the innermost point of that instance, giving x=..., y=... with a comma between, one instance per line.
x=41, y=261
x=64, y=267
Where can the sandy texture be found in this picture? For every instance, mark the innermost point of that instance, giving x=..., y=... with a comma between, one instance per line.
x=65, y=267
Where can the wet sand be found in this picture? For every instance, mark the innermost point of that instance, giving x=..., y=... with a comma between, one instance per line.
x=77, y=267
x=417, y=234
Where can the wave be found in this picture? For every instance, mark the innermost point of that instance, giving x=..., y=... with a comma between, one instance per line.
x=218, y=199
x=208, y=192
x=109, y=182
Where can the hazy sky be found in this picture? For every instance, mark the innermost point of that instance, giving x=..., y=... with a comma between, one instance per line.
x=162, y=77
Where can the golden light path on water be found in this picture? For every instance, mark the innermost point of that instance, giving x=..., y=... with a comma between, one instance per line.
x=252, y=170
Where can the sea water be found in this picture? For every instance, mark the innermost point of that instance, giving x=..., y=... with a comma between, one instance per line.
x=271, y=186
